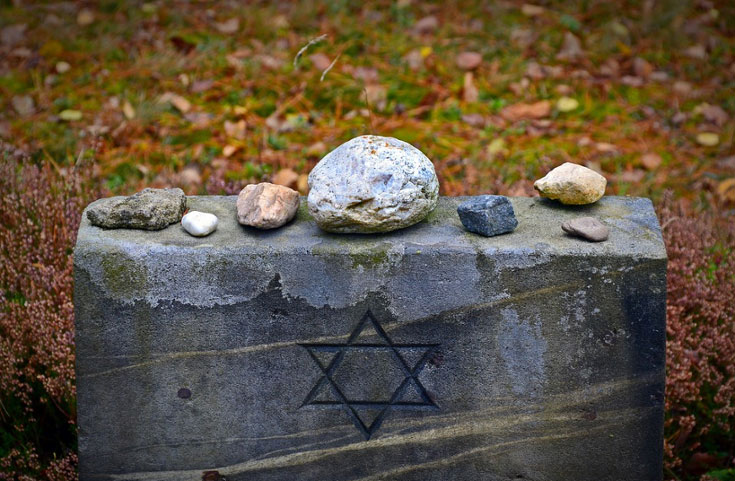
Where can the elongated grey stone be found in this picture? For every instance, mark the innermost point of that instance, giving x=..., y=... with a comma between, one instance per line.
x=149, y=209
x=428, y=353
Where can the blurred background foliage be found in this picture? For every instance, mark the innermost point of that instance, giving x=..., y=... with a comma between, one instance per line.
x=107, y=97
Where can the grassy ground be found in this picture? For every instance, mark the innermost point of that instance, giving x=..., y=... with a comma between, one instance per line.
x=201, y=94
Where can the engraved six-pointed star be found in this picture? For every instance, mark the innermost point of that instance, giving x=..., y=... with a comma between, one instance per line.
x=369, y=375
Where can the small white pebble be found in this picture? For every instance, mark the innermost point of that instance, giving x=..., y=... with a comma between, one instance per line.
x=199, y=224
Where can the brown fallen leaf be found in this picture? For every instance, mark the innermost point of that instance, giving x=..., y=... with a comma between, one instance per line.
x=726, y=190
x=228, y=150
x=469, y=91
x=181, y=104
x=651, y=160
x=697, y=52
x=536, y=110
x=426, y=25
x=286, y=177
x=12, y=35
x=235, y=129
x=571, y=48
x=474, y=120
x=302, y=185
x=85, y=17
x=469, y=60
x=712, y=113
x=320, y=61
x=631, y=176
x=531, y=10
x=199, y=86
x=23, y=104
x=228, y=26
x=642, y=68
x=128, y=110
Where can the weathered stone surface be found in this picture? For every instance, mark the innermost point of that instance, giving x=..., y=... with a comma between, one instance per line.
x=587, y=228
x=149, y=209
x=199, y=224
x=372, y=184
x=572, y=184
x=529, y=355
x=488, y=215
x=266, y=205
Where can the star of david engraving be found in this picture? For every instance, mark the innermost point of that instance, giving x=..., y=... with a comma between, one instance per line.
x=329, y=393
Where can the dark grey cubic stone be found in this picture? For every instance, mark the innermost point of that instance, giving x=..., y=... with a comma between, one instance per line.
x=428, y=353
x=149, y=209
x=488, y=215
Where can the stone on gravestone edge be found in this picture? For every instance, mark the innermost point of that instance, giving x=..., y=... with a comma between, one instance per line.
x=429, y=353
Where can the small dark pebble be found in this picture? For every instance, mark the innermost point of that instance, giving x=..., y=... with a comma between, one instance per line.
x=487, y=215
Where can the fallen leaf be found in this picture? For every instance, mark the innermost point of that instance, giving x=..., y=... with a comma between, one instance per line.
x=659, y=76
x=228, y=150
x=571, y=48
x=522, y=37
x=520, y=111
x=426, y=25
x=682, y=87
x=469, y=91
x=631, y=81
x=697, y=52
x=366, y=74
x=708, y=139
x=566, y=104
x=70, y=115
x=469, y=60
x=563, y=89
x=23, y=104
x=495, y=147
x=642, y=68
x=414, y=59
x=235, y=129
x=475, y=120
x=12, y=35
x=286, y=177
x=320, y=61
x=85, y=17
x=611, y=68
x=181, y=104
x=726, y=189
x=128, y=110
x=199, y=119
x=531, y=10
x=228, y=26
x=605, y=148
x=377, y=96
x=725, y=163
x=712, y=113
x=62, y=67
x=270, y=62
x=189, y=176
x=632, y=176
x=200, y=86
x=317, y=148
x=651, y=160
x=302, y=185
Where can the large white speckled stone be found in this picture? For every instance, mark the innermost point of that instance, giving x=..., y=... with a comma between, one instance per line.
x=372, y=184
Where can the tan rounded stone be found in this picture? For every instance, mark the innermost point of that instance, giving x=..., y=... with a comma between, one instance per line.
x=572, y=184
x=266, y=205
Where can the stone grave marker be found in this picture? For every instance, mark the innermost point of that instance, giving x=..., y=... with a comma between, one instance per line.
x=428, y=353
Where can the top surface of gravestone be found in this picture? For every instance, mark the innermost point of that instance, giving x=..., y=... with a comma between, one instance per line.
x=634, y=231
